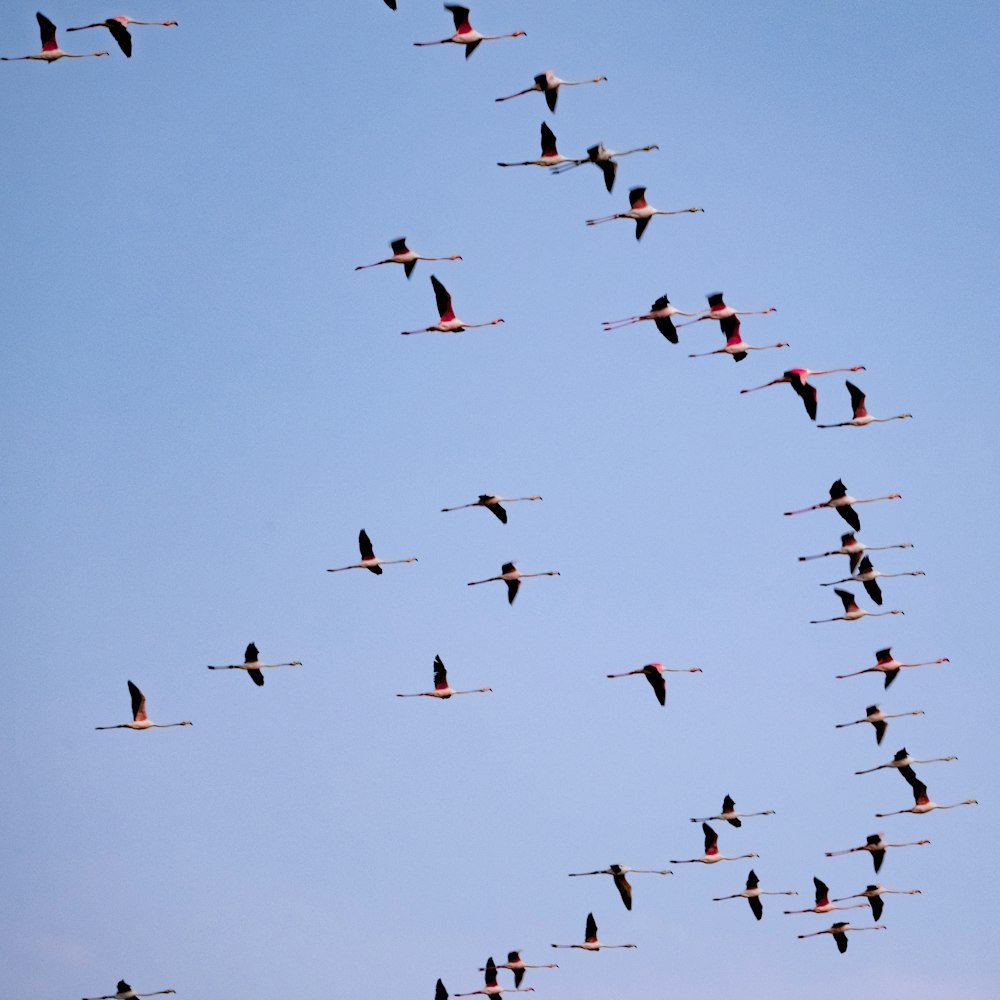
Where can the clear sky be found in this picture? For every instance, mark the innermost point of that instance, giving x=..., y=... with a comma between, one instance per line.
x=203, y=403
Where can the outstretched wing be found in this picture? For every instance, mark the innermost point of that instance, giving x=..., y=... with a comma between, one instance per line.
x=841, y=938
x=591, y=928
x=461, y=16
x=667, y=328
x=440, y=993
x=491, y=972
x=850, y=515
x=499, y=511
x=472, y=46
x=711, y=839
x=658, y=684
x=365, y=545
x=857, y=400
x=847, y=599
x=251, y=655
x=876, y=904
x=551, y=96
x=398, y=246
x=807, y=393
x=838, y=490
x=610, y=170
x=822, y=892
x=624, y=890
x=637, y=197
x=120, y=34
x=138, y=703
x=874, y=591
x=512, y=588
x=257, y=677
x=756, y=905
x=640, y=227
x=548, y=140
x=443, y=300
x=440, y=674
x=48, y=32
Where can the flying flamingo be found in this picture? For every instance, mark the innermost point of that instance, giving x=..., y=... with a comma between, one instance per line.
x=752, y=894
x=517, y=965
x=718, y=310
x=548, y=83
x=659, y=312
x=441, y=688
x=796, y=378
x=466, y=35
x=369, y=560
x=590, y=942
x=118, y=26
x=861, y=416
x=888, y=665
x=839, y=932
x=550, y=155
x=491, y=503
x=730, y=815
x=874, y=894
x=867, y=575
x=618, y=873
x=512, y=576
x=139, y=719
x=923, y=804
x=448, y=323
x=843, y=504
x=736, y=346
x=711, y=854
x=852, y=548
x=604, y=159
x=640, y=211
x=491, y=988
x=823, y=904
x=252, y=665
x=875, y=846
x=653, y=672
x=125, y=992
x=852, y=612
x=903, y=760
x=875, y=716
x=50, y=47
x=401, y=254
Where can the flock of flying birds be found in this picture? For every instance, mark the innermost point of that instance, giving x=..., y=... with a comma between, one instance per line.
x=661, y=313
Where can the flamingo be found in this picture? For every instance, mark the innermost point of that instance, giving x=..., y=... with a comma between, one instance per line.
x=852, y=612
x=711, y=855
x=550, y=155
x=867, y=575
x=252, y=665
x=852, y=548
x=823, y=904
x=125, y=992
x=50, y=47
x=491, y=988
x=618, y=873
x=517, y=965
x=548, y=83
x=492, y=503
x=888, y=665
x=640, y=211
x=736, y=346
x=796, y=378
x=730, y=815
x=466, y=35
x=877, y=718
x=659, y=312
x=726, y=315
x=903, y=760
x=139, y=719
x=369, y=560
x=923, y=804
x=874, y=894
x=604, y=159
x=402, y=254
x=512, y=576
x=861, y=416
x=839, y=932
x=653, y=672
x=590, y=942
x=118, y=26
x=441, y=688
x=875, y=846
x=752, y=894
x=843, y=504
x=448, y=322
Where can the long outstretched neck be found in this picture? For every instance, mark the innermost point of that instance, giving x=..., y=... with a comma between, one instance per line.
x=642, y=149
x=472, y=326
x=291, y=663
x=396, y=562
x=890, y=496
x=517, y=499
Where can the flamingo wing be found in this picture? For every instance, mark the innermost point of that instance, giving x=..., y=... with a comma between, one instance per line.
x=443, y=300
x=365, y=545
x=711, y=839
x=637, y=197
x=391, y=4
x=551, y=96
x=121, y=35
x=880, y=727
x=461, y=17
x=138, y=703
x=610, y=170
x=807, y=393
x=838, y=490
x=822, y=892
x=251, y=655
x=850, y=515
x=491, y=972
x=591, y=928
x=440, y=674
x=847, y=599
x=440, y=993
x=512, y=588
x=398, y=246
x=471, y=47
x=841, y=938
x=408, y=267
x=885, y=656
x=518, y=973
x=756, y=905
x=874, y=591
x=877, y=858
x=500, y=513
x=658, y=684
x=640, y=227
x=624, y=890
x=876, y=905
x=548, y=140
x=47, y=30
x=752, y=880
x=257, y=677
x=666, y=326
x=857, y=400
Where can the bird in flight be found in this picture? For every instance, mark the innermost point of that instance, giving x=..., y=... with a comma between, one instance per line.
x=512, y=576
x=448, y=322
x=118, y=26
x=590, y=942
x=139, y=719
x=640, y=211
x=653, y=672
x=369, y=560
x=252, y=665
x=441, y=687
x=492, y=503
x=618, y=873
x=752, y=894
x=402, y=254
x=548, y=83
x=125, y=992
x=466, y=35
x=50, y=47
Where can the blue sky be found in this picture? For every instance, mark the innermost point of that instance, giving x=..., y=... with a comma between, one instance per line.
x=204, y=403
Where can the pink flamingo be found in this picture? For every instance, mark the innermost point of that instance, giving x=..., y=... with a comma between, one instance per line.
x=640, y=211
x=604, y=159
x=653, y=672
x=447, y=323
x=550, y=155
x=839, y=932
x=876, y=847
x=252, y=665
x=735, y=345
x=512, y=576
x=659, y=312
x=852, y=612
x=369, y=560
x=861, y=416
x=874, y=894
x=888, y=665
x=796, y=378
x=823, y=904
x=877, y=718
x=711, y=855
x=852, y=548
x=50, y=47
x=548, y=83
x=867, y=575
x=923, y=804
x=730, y=815
x=590, y=942
x=466, y=35
x=125, y=992
x=441, y=686
x=140, y=720
x=517, y=965
x=491, y=987
x=718, y=310
x=618, y=873
x=843, y=504
x=492, y=503
x=752, y=894
x=118, y=26
x=902, y=760
x=402, y=254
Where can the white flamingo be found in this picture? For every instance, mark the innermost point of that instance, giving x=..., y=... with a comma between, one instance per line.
x=876, y=847
x=877, y=719
x=369, y=560
x=852, y=548
x=139, y=718
x=868, y=575
x=590, y=942
x=718, y=310
x=843, y=503
x=491, y=988
x=441, y=686
x=730, y=815
x=402, y=254
x=252, y=665
x=466, y=35
x=923, y=804
x=888, y=665
x=852, y=612
x=839, y=932
x=492, y=503
x=512, y=576
x=618, y=873
x=822, y=900
x=640, y=211
x=653, y=672
x=548, y=84
x=861, y=416
x=604, y=159
x=118, y=26
x=903, y=760
x=874, y=894
x=752, y=894
x=125, y=992
x=50, y=47
x=711, y=855
x=550, y=154
x=448, y=322
x=736, y=346
x=517, y=965
x=660, y=312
